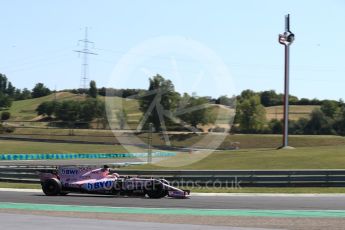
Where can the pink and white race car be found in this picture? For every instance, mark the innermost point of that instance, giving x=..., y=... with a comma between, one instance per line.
x=79, y=179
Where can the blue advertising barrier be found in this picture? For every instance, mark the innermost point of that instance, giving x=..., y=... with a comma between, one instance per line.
x=68, y=156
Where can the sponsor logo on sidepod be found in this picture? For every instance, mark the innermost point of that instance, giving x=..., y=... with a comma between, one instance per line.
x=107, y=185
x=69, y=171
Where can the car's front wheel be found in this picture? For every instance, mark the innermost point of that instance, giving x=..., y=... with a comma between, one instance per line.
x=157, y=191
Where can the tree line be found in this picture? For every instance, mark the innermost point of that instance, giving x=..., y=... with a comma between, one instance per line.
x=272, y=98
x=251, y=117
x=250, y=113
x=9, y=93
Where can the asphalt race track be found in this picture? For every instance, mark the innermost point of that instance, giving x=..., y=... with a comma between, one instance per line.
x=262, y=202
x=10, y=221
x=231, y=211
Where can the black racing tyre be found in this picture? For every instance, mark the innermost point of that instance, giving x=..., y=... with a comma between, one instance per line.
x=157, y=191
x=52, y=187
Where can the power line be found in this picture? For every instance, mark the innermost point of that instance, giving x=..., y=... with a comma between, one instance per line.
x=244, y=65
x=85, y=64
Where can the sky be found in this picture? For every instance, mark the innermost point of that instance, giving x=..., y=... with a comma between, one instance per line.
x=210, y=47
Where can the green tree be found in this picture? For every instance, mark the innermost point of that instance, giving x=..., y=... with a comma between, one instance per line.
x=330, y=108
x=47, y=108
x=163, y=96
x=246, y=94
x=10, y=90
x=22, y=94
x=17, y=94
x=6, y=92
x=68, y=111
x=3, y=83
x=74, y=111
x=227, y=101
x=270, y=98
x=339, y=124
x=26, y=94
x=251, y=115
x=5, y=101
x=197, y=111
x=40, y=90
x=91, y=109
x=93, y=89
x=319, y=123
x=293, y=100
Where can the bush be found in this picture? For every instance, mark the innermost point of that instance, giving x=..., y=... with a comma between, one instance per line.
x=5, y=116
x=319, y=123
x=298, y=127
x=276, y=126
x=47, y=108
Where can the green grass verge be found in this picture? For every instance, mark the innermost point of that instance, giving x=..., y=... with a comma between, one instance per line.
x=329, y=157
x=182, y=140
x=19, y=185
x=274, y=141
x=318, y=157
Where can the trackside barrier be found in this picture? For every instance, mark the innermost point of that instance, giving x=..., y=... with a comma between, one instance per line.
x=68, y=156
x=247, y=178
x=202, y=178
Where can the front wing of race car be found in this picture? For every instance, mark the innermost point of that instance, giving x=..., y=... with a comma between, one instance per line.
x=176, y=192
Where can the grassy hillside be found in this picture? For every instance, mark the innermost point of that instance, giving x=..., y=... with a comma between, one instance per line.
x=130, y=106
x=25, y=109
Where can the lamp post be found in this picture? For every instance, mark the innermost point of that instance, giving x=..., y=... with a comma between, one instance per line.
x=286, y=39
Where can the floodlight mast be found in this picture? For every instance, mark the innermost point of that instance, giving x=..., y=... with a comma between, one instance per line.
x=286, y=39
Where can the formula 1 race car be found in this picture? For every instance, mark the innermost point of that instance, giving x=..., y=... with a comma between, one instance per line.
x=76, y=179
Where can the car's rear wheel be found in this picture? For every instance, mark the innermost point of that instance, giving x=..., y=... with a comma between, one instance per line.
x=52, y=187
